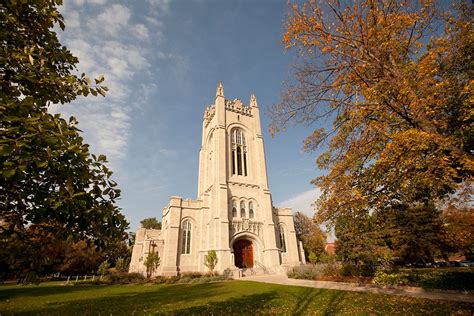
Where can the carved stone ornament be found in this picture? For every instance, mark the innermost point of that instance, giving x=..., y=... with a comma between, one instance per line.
x=245, y=224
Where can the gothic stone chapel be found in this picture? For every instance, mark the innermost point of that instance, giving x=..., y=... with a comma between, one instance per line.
x=233, y=214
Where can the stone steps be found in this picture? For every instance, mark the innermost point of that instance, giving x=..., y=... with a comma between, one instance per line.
x=253, y=271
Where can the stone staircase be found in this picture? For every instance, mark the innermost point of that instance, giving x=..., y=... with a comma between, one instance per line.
x=252, y=271
x=258, y=269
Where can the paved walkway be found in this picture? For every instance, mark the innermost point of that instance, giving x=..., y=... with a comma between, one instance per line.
x=343, y=286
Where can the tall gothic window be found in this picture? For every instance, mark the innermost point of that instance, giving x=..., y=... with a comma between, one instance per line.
x=234, y=209
x=186, y=238
x=251, y=213
x=239, y=152
x=282, y=238
x=242, y=209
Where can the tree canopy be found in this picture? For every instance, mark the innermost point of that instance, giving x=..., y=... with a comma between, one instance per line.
x=309, y=232
x=151, y=223
x=389, y=84
x=395, y=79
x=49, y=179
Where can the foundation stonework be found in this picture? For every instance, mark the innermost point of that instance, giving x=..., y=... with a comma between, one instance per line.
x=233, y=214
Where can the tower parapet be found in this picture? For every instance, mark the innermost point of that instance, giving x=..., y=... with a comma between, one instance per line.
x=237, y=106
x=209, y=114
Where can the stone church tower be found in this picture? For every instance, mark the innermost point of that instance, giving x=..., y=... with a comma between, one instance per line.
x=233, y=214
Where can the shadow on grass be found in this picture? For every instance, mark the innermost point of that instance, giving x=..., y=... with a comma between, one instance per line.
x=152, y=299
x=334, y=302
x=40, y=290
x=304, y=300
x=327, y=302
x=245, y=305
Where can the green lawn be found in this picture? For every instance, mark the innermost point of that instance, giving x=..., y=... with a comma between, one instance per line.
x=232, y=297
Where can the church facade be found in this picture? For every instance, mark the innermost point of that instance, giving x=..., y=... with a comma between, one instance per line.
x=233, y=214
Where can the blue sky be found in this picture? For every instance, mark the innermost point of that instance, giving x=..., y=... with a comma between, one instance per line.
x=162, y=60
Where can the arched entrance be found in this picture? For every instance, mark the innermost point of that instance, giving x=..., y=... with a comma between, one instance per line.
x=243, y=253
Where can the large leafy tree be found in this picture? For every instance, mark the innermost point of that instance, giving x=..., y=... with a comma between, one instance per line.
x=459, y=224
x=395, y=80
x=360, y=240
x=80, y=258
x=309, y=232
x=48, y=176
x=416, y=232
x=151, y=223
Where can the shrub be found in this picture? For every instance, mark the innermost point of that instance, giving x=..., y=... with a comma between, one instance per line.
x=158, y=280
x=386, y=278
x=221, y=277
x=171, y=279
x=125, y=278
x=446, y=280
x=308, y=272
x=204, y=279
x=152, y=262
x=103, y=268
x=366, y=270
x=312, y=257
x=121, y=265
x=331, y=269
x=349, y=269
x=191, y=275
x=185, y=280
x=210, y=260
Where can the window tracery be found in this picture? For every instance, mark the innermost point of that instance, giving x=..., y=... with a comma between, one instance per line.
x=186, y=237
x=239, y=152
x=234, y=209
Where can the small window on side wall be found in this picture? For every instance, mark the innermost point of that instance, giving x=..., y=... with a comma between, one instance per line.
x=281, y=229
x=251, y=211
x=186, y=238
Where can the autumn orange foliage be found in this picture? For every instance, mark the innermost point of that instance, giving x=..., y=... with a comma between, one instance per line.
x=395, y=80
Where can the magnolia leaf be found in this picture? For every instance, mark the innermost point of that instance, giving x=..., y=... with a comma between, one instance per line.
x=41, y=164
x=9, y=173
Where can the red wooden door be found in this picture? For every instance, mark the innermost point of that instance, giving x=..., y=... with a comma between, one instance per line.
x=243, y=253
x=247, y=255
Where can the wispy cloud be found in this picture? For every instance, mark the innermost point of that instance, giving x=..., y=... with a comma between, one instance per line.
x=160, y=7
x=302, y=202
x=140, y=31
x=108, y=43
x=111, y=21
x=81, y=2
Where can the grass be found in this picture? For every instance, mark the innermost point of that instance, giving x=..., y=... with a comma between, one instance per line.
x=221, y=298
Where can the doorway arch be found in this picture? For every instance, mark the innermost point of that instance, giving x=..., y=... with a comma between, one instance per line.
x=243, y=253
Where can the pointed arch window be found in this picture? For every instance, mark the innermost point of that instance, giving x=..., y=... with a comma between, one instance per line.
x=251, y=212
x=239, y=152
x=234, y=209
x=242, y=209
x=281, y=229
x=186, y=237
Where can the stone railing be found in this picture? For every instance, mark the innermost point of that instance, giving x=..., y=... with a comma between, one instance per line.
x=245, y=224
